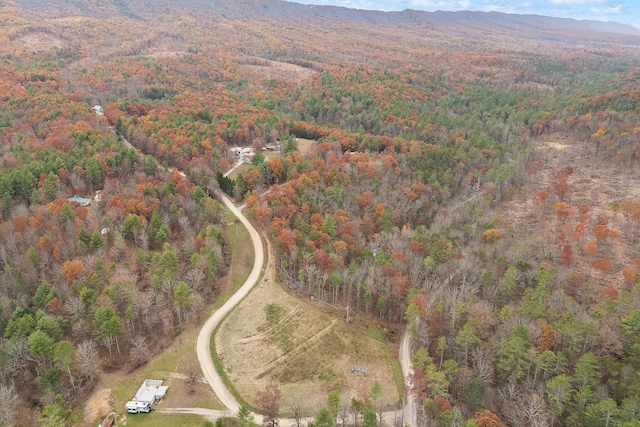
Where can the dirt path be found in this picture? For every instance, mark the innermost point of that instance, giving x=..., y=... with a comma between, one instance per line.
x=203, y=347
x=206, y=363
x=410, y=408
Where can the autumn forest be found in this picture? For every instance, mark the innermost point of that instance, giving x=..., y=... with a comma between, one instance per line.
x=469, y=176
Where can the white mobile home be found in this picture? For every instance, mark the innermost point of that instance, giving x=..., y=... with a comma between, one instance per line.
x=148, y=393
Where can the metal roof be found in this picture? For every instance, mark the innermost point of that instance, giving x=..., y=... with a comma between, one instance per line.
x=80, y=200
x=150, y=391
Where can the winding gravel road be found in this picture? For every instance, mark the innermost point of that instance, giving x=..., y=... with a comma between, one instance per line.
x=203, y=349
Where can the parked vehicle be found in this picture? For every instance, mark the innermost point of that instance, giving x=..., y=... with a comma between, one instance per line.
x=135, y=407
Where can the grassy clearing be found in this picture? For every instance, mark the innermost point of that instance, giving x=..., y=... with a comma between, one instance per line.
x=179, y=358
x=241, y=170
x=163, y=420
x=398, y=377
x=274, y=337
x=304, y=145
x=376, y=333
x=242, y=256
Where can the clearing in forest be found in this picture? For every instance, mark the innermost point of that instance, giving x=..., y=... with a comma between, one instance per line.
x=304, y=145
x=596, y=184
x=274, y=337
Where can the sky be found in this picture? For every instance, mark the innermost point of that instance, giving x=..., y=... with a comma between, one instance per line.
x=627, y=11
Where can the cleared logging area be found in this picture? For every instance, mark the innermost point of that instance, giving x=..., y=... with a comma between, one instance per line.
x=273, y=337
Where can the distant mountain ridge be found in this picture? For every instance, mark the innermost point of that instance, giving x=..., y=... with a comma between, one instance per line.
x=285, y=10
x=300, y=34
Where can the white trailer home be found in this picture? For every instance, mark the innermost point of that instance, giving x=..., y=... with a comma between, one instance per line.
x=135, y=407
x=148, y=393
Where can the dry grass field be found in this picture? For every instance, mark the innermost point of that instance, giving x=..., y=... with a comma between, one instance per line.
x=306, y=349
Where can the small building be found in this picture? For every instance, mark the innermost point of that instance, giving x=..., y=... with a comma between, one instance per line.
x=241, y=151
x=109, y=421
x=79, y=200
x=150, y=391
x=99, y=110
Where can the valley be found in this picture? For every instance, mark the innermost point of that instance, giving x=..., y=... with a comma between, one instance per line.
x=460, y=186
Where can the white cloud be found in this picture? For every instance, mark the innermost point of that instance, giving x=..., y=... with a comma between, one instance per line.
x=493, y=8
x=506, y=7
x=577, y=2
x=442, y=4
x=615, y=10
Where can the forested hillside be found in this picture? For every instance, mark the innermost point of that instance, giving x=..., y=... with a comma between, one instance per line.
x=471, y=178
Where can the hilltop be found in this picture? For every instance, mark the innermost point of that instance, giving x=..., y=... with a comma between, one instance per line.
x=275, y=23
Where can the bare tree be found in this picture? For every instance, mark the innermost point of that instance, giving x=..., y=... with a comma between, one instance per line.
x=108, y=341
x=87, y=357
x=482, y=362
x=192, y=371
x=268, y=401
x=508, y=395
x=534, y=409
x=295, y=404
x=74, y=307
x=18, y=357
x=197, y=305
x=142, y=304
x=139, y=351
x=9, y=400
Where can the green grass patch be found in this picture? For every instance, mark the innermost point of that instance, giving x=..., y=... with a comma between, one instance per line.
x=176, y=358
x=156, y=419
x=398, y=377
x=274, y=313
x=377, y=334
x=242, y=256
x=220, y=369
x=229, y=217
x=241, y=170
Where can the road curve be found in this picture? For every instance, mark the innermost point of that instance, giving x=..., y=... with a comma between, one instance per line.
x=210, y=374
x=203, y=348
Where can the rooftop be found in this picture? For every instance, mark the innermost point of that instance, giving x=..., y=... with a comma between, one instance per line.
x=79, y=200
x=150, y=391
